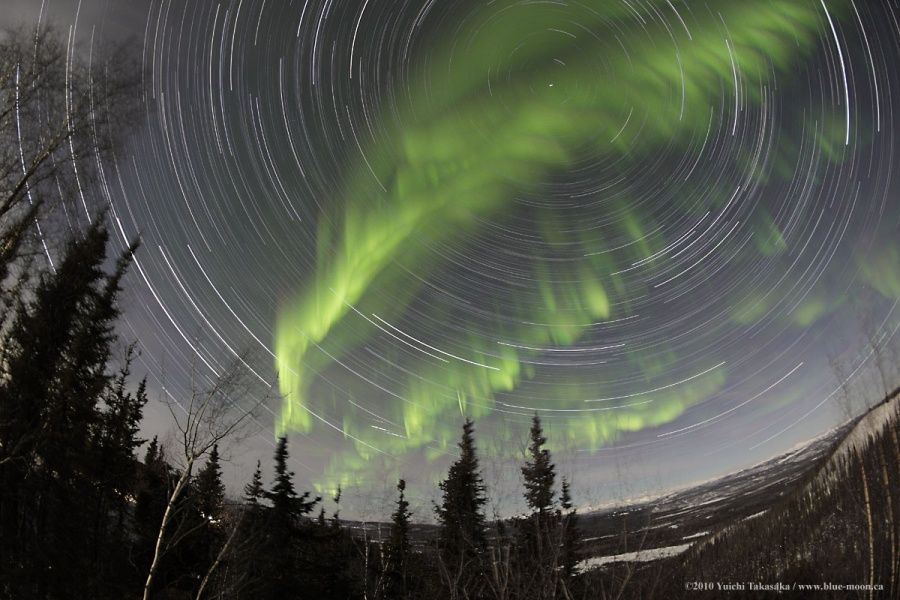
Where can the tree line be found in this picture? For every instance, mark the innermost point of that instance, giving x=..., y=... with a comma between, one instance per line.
x=839, y=526
x=83, y=517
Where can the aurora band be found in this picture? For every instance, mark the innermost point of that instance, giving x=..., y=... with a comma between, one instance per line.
x=435, y=175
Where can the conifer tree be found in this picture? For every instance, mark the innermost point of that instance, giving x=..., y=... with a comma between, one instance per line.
x=35, y=351
x=247, y=570
x=462, y=531
x=152, y=490
x=284, y=528
x=570, y=535
x=461, y=512
x=54, y=360
x=151, y=455
x=210, y=490
x=114, y=471
x=199, y=525
x=539, y=543
x=539, y=473
x=398, y=549
x=287, y=505
x=116, y=438
x=66, y=451
x=325, y=550
x=565, y=497
x=336, y=516
x=253, y=491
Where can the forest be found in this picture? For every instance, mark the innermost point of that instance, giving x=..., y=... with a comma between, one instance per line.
x=89, y=508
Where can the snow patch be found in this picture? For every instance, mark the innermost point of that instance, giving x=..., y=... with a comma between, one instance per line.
x=870, y=426
x=755, y=515
x=638, y=556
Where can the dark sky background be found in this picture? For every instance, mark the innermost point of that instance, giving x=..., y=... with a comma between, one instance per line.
x=708, y=349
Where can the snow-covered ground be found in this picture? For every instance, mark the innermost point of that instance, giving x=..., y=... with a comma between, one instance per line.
x=637, y=556
x=696, y=535
x=696, y=515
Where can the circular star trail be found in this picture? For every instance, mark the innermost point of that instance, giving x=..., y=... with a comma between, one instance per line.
x=653, y=223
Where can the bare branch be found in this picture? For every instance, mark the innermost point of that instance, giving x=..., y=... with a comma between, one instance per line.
x=212, y=416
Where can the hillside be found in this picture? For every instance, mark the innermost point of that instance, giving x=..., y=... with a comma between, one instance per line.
x=690, y=515
x=821, y=520
x=838, y=528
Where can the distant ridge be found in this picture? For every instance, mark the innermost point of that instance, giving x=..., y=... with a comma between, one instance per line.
x=839, y=528
x=868, y=428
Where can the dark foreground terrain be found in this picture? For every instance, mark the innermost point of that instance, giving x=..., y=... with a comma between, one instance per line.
x=691, y=515
x=680, y=519
x=819, y=522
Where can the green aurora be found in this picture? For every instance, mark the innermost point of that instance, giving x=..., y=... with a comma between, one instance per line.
x=629, y=85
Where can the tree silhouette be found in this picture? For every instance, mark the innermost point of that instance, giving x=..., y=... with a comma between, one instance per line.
x=539, y=543
x=211, y=415
x=398, y=549
x=462, y=525
x=461, y=512
x=571, y=536
x=59, y=411
x=253, y=491
x=539, y=472
x=209, y=489
x=279, y=552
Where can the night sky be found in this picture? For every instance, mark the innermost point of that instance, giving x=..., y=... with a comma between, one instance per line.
x=653, y=222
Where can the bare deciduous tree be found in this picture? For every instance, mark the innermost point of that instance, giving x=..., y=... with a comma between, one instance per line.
x=63, y=109
x=238, y=521
x=214, y=414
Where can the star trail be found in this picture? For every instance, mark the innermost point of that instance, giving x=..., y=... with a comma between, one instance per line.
x=652, y=222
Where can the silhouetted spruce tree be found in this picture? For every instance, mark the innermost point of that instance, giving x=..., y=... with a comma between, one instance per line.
x=209, y=487
x=244, y=577
x=460, y=515
x=336, y=516
x=152, y=454
x=327, y=551
x=396, y=585
x=461, y=512
x=208, y=507
x=539, y=472
x=35, y=349
x=196, y=530
x=287, y=506
x=539, y=539
x=282, y=575
x=571, y=536
x=115, y=477
x=61, y=506
x=253, y=491
x=116, y=438
x=54, y=358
